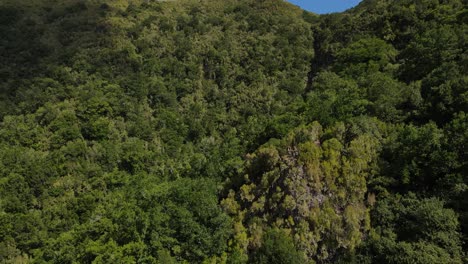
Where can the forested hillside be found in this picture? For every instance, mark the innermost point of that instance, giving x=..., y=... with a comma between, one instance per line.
x=234, y=131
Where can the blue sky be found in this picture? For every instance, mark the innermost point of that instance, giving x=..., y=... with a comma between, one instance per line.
x=325, y=6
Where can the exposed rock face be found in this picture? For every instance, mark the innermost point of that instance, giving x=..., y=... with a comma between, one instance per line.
x=312, y=185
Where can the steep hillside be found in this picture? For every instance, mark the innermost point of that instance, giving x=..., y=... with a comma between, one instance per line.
x=237, y=131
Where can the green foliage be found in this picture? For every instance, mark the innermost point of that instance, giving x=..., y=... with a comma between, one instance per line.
x=126, y=128
x=277, y=248
x=365, y=56
x=409, y=230
x=309, y=184
x=335, y=99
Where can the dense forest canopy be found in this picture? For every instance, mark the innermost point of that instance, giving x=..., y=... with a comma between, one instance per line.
x=235, y=131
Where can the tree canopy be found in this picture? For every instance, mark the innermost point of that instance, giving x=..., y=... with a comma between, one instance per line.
x=237, y=131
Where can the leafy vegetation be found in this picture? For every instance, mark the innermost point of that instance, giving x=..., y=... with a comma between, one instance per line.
x=234, y=131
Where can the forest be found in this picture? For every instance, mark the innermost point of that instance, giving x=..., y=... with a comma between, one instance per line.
x=233, y=131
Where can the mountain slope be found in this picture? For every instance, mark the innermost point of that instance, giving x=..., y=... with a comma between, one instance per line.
x=186, y=131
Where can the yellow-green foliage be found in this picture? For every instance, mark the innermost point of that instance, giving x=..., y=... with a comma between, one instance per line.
x=310, y=184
